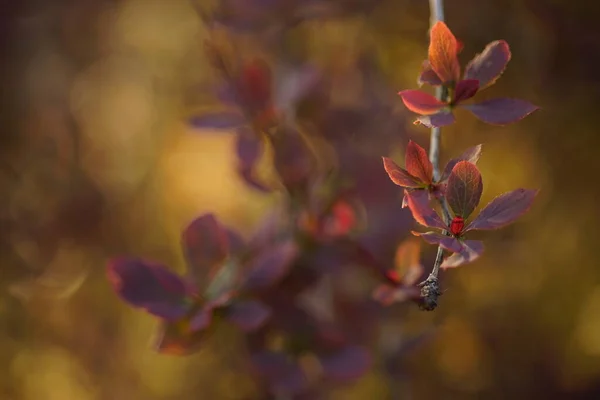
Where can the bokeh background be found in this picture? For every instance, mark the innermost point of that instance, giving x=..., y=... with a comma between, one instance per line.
x=97, y=160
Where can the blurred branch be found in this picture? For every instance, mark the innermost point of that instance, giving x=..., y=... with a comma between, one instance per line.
x=430, y=290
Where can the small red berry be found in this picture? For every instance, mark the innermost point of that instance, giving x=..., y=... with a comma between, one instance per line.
x=457, y=225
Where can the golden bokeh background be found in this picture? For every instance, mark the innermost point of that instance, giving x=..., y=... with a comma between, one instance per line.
x=106, y=81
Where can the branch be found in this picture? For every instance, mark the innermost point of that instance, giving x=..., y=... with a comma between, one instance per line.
x=430, y=289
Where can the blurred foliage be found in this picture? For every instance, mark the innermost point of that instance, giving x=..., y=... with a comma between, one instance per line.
x=95, y=160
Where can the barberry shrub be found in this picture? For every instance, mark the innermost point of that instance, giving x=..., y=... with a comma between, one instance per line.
x=309, y=289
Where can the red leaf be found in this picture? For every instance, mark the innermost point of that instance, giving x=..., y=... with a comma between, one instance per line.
x=399, y=175
x=501, y=111
x=464, y=188
x=471, y=250
x=270, y=266
x=465, y=89
x=504, y=210
x=418, y=203
x=341, y=220
x=443, y=51
x=254, y=84
x=472, y=155
x=150, y=286
x=206, y=246
x=248, y=315
x=487, y=66
x=418, y=164
x=438, y=120
x=428, y=75
x=420, y=102
x=447, y=242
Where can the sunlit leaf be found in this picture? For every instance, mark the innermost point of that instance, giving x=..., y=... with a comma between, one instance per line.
x=504, y=210
x=471, y=250
x=487, y=66
x=418, y=203
x=464, y=188
x=248, y=315
x=347, y=364
x=417, y=163
x=270, y=265
x=471, y=155
x=447, y=242
x=150, y=286
x=218, y=120
x=399, y=175
x=420, y=102
x=407, y=261
x=501, y=111
x=443, y=51
x=465, y=89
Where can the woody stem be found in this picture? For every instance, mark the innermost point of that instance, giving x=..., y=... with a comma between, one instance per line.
x=430, y=288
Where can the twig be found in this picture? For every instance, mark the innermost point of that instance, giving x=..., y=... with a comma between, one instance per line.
x=430, y=289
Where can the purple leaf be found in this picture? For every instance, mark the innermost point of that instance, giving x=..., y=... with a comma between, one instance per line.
x=267, y=231
x=420, y=102
x=465, y=89
x=504, y=210
x=438, y=120
x=399, y=175
x=487, y=66
x=249, y=177
x=348, y=364
x=201, y=320
x=471, y=155
x=428, y=75
x=218, y=120
x=292, y=159
x=283, y=374
x=447, y=242
x=248, y=147
x=248, y=315
x=270, y=266
x=206, y=246
x=235, y=241
x=471, y=251
x=464, y=188
x=151, y=287
x=418, y=203
x=501, y=111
